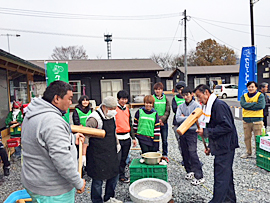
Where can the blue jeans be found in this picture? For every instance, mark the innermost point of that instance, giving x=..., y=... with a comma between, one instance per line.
x=96, y=189
x=164, y=136
x=18, y=151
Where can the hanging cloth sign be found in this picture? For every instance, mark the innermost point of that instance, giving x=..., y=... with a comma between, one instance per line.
x=57, y=71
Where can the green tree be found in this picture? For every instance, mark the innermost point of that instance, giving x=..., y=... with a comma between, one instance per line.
x=211, y=53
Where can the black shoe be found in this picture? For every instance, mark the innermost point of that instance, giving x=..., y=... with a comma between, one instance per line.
x=124, y=180
x=6, y=171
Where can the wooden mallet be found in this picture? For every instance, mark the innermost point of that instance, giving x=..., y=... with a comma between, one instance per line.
x=80, y=157
x=93, y=132
x=191, y=119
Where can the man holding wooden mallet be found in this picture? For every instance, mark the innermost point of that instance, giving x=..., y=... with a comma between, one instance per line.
x=218, y=125
x=49, y=169
x=188, y=141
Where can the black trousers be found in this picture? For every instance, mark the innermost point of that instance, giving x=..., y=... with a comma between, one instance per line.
x=145, y=148
x=223, y=178
x=188, y=143
x=4, y=157
x=125, y=147
x=265, y=121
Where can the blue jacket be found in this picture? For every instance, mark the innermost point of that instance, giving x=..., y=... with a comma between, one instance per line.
x=221, y=130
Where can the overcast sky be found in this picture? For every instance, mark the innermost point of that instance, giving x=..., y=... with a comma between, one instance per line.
x=139, y=28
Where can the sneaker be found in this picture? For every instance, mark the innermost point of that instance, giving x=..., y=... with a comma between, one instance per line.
x=189, y=176
x=245, y=156
x=124, y=180
x=197, y=181
x=6, y=171
x=113, y=200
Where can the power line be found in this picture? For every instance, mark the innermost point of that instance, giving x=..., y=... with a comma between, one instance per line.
x=229, y=22
x=234, y=29
x=174, y=37
x=214, y=36
x=44, y=14
x=89, y=36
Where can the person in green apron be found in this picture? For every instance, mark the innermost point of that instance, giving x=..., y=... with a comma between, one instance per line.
x=162, y=106
x=176, y=101
x=15, y=117
x=147, y=127
x=79, y=117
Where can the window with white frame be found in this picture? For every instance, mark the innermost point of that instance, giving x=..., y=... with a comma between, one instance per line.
x=76, y=89
x=198, y=81
x=265, y=75
x=213, y=81
x=169, y=85
x=139, y=88
x=234, y=80
x=110, y=87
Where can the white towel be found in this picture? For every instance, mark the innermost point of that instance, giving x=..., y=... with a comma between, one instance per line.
x=207, y=108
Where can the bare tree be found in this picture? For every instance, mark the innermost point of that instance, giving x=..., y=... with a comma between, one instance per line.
x=69, y=53
x=164, y=60
x=207, y=53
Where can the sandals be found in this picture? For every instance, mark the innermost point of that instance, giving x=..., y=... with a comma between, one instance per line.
x=189, y=176
x=197, y=181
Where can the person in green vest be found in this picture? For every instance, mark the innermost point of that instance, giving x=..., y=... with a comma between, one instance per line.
x=15, y=117
x=176, y=101
x=146, y=126
x=162, y=106
x=80, y=115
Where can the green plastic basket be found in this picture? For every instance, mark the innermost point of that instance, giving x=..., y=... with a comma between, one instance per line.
x=263, y=161
x=258, y=149
x=138, y=170
x=262, y=156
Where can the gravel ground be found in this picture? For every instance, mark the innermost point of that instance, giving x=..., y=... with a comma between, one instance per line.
x=251, y=182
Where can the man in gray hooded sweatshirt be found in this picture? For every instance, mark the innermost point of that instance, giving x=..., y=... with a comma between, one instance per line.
x=49, y=169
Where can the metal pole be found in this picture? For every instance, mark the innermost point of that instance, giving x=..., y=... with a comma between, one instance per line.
x=8, y=35
x=185, y=39
x=252, y=23
x=8, y=43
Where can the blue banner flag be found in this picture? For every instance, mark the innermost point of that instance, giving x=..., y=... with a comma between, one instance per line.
x=248, y=69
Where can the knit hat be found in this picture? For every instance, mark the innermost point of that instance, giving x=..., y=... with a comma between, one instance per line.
x=109, y=101
x=17, y=104
x=180, y=84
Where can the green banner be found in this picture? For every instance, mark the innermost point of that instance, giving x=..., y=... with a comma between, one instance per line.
x=57, y=71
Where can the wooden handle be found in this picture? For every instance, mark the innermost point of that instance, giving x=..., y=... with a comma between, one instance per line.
x=80, y=157
x=193, y=117
x=15, y=125
x=203, y=140
x=93, y=132
x=24, y=200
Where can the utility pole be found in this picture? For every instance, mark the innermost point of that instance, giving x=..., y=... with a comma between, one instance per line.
x=108, y=39
x=10, y=35
x=185, y=41
x=252, y=23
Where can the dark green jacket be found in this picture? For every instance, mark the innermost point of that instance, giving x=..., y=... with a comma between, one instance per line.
x=16, y=130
